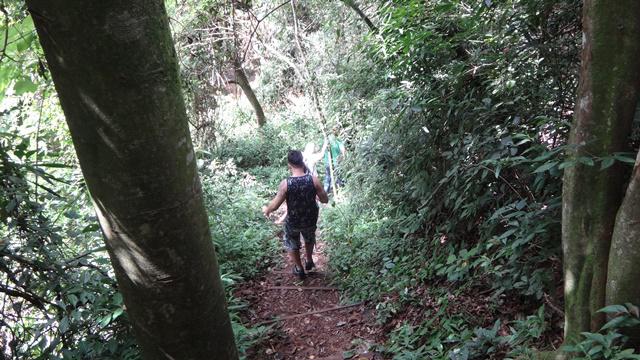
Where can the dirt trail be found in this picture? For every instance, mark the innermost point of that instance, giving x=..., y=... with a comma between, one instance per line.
x=327, y=335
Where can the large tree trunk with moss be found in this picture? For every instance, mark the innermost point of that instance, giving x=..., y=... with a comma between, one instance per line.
x=624, y=262
x=607, y=97
x=116, y=73
x=243, y=82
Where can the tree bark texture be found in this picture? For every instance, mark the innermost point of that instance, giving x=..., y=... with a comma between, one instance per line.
x=116, y=72
x=241, y=79
x=607, y=97
x=624, y=262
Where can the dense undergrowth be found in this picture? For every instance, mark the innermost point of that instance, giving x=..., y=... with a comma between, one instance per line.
x=455, y=116
x=454, y=175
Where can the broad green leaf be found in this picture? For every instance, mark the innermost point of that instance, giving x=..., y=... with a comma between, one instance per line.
x=586, y=161
x=607, y=162
x=117, y=313
x=634, y=310
x=90, y=228
x=598, y=338
x=546, y=167
x=64, y=325
x=614, y=323
x=25, y=42
x=451, y=259
x=625, y=159
x=24, y=85
x=567, y=164
x=614, y=309
x=595, y=350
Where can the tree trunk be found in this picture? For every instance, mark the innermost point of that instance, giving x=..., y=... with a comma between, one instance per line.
x=624, y=264
x=241, y=79
x=115, y=69
x=352, y=4
x=607, y=96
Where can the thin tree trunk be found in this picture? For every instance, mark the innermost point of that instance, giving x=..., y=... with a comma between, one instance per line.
x=241, y=79
x=607, y=96
x=116, y=72
x=624, y=263
x=352, y=4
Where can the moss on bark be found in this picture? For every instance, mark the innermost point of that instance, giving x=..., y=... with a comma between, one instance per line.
x=607, y=96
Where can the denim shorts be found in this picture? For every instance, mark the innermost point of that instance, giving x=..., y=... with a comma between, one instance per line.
x=292, y=237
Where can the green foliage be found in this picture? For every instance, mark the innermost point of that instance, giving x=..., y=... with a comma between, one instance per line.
x=608, y=343
x=465, y=174
x=60, y=298
x=455, y=115
x=268, y=148
x=20, y=66
x=449, y=337
x=244, y=240
x=404, y=344
x=457, y=142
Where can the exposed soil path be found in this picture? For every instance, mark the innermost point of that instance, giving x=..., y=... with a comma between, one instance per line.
x=313, y=323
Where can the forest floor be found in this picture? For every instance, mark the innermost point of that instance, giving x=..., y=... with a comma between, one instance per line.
x=308, y=319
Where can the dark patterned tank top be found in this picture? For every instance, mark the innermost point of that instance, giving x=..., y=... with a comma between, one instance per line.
x=302, y=209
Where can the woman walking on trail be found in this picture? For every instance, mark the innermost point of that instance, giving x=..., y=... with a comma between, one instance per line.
x=299, y=191
x=311, y=157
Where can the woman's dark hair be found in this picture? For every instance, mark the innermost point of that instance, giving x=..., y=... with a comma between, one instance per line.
x=295, y=158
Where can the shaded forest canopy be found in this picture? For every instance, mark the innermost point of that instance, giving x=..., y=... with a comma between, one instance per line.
x=456, y=117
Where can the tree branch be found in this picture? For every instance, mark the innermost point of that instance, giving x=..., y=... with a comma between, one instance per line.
x=33, y=299
x=352, y=4
x=244, y=55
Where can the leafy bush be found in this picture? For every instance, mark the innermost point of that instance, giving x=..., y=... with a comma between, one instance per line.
x=60, y=296
x=267, y=146
x=449, y=337
x=608, y=343
x=244, y=240
x=456, y=151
